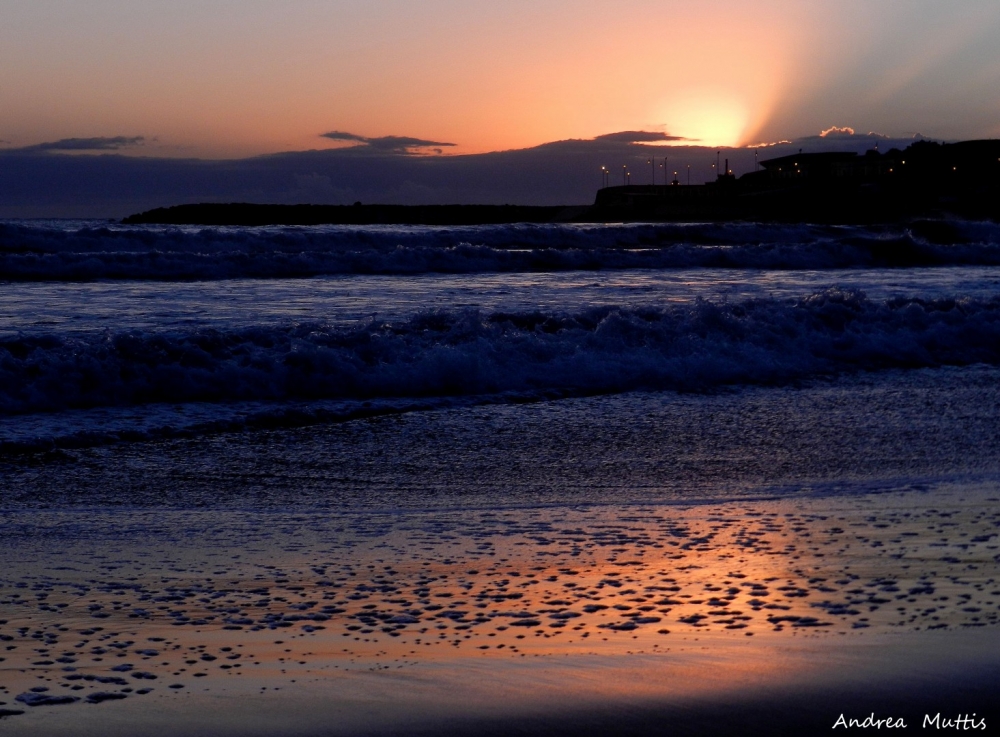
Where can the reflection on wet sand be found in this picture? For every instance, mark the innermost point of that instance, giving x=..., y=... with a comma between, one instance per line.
x=219, y=602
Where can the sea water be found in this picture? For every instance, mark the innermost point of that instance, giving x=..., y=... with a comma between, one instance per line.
x=515, y=365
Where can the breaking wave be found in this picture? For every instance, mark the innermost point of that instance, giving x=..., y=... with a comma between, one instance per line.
x=85, y=251
x=467, y=353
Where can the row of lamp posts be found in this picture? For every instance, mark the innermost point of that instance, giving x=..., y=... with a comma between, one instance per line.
x=627, y=175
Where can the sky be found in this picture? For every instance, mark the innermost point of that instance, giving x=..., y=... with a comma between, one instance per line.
x=232, y=79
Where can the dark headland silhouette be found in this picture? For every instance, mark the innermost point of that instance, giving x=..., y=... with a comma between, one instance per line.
x=925, y=180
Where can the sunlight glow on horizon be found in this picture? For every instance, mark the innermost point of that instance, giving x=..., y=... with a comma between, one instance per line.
x=708, y=118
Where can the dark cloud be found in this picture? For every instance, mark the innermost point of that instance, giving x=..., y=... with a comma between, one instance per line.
x=845, y=136
x=343, y=136
x=401, y=143
x=638, y=137
x=113, y=143
x=846, y=139
x=387, y=144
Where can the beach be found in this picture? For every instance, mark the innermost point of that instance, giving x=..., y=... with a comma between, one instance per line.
x=203, y=616
x=705, y=500
x=478, y=369
x=552, y=620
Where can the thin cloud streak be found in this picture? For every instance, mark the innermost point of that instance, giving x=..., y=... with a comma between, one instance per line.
x=391, y=144
x=639, y=137
x=100, y=143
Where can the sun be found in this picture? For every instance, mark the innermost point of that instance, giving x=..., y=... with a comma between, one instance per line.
x=707, y=118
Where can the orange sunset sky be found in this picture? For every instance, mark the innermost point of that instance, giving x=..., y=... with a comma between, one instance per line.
x=234, y=78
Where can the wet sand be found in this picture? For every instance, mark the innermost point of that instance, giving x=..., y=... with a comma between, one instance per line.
x=754, y=617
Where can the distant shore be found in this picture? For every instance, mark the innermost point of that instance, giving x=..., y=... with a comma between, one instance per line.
x=242, y=213
x=844, y=208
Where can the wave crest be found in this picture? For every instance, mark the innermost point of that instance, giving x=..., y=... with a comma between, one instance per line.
x=466, y=353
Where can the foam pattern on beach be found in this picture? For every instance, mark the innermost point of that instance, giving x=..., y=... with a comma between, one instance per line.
x=466, y=352
x=171, y=610
x=82, y=251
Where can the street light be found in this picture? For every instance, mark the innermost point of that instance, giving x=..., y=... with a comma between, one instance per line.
x=689, y=175
x=625, y=174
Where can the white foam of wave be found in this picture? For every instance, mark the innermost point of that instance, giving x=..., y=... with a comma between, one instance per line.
x=462, y=353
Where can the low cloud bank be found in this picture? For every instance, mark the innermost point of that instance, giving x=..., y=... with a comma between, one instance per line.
x=89, y=177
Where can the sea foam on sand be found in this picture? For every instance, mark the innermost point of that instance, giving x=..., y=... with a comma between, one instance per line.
x=780, y=615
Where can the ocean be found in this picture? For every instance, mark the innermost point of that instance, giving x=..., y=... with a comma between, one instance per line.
x=114, y=339
x=210, y=436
